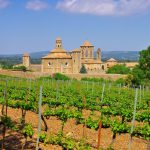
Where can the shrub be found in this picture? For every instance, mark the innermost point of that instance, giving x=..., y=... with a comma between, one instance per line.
x=42, y=137
x=83, y=69
x=120, y=81
x=28, y=131
x=20, y=68
x=45, y=78
x=93, y=79
x=59, y=76
x=118, y=69
x=6, y=66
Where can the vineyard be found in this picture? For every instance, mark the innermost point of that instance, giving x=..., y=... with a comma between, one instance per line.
x=52, y=114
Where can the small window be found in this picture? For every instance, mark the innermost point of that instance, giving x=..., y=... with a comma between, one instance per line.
x=91, y=54
x=78, y=58
x=86, y=53
x=49, y=64
x=102, y=67
x=66, y=63
x=82, y=54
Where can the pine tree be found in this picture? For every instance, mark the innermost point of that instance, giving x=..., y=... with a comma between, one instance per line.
x=83, y=69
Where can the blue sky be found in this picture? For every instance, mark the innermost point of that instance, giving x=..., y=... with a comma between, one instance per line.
x=112, y=25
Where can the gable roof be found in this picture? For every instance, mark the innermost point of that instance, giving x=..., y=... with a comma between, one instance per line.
x=111, y=60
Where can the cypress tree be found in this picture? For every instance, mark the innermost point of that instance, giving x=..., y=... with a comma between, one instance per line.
x=83, y=69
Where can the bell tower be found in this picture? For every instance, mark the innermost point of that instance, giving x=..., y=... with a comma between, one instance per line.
x=98, y=54
x=26, y=60
x=58, y=43
x=87, y=50
x=76, y=60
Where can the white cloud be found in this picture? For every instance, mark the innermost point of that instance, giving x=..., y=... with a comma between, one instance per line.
x=36, y=5
x=4, y=3
x=105, y=7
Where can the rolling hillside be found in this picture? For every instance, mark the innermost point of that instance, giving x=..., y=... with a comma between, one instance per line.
x=36, y=56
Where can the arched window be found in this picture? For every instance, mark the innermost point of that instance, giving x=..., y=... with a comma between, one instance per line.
x=78, y=57
x=66, y=64
x=91, y=53
x=82, y=53
x=49, y=64
x=98, y=55
x=102, y=67
x=86, y=53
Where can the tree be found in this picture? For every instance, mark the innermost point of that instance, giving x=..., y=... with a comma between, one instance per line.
x=138, y=75
x=144, y=62
x=83, y=69
x=119, y=69
x=141, y=72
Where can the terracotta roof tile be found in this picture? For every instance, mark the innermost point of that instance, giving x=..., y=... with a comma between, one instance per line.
x=57, y=55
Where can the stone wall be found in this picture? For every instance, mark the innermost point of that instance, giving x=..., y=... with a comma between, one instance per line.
x=76, y=76
x=104, y=76
x=95, y=68
x=36, y=67
x=57, y=65
x=22, y=74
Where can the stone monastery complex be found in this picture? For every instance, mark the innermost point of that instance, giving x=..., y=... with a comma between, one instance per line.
x=59, y=60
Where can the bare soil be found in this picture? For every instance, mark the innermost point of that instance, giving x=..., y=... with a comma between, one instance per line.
x=15, y=140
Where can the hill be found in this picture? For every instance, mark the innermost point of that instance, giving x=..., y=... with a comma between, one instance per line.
x=36, y=56
x=121, y=55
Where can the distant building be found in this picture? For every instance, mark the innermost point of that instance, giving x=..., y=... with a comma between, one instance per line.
x=130, y=65
x=28, y=65
x=111, y=62
x=59, y=60
x=26, y=60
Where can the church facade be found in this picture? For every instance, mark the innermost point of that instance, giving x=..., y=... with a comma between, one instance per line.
x=59, y=60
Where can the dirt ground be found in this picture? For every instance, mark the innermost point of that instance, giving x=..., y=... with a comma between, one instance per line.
x=15, y=140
